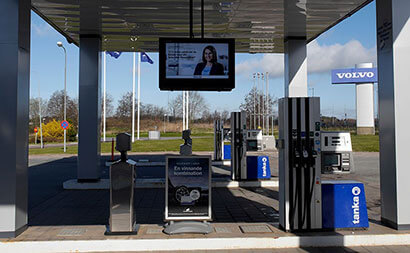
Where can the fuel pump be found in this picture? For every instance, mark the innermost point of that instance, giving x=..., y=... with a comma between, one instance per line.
x=218, y=140
x=300, y=206
x=238, y=146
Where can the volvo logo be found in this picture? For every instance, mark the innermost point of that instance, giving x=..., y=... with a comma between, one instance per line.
x=355, y=75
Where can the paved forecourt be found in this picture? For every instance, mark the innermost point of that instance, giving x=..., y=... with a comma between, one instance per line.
x=75, y=220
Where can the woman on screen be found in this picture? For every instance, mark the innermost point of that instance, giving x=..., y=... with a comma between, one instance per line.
x=209, y=64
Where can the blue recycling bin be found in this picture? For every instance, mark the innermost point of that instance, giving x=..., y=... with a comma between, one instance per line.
x=344, y=205
x=258, y=167
x=227, y=152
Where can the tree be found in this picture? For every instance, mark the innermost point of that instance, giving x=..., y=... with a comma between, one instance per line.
x=55, y=107
x=173, y=107
x=124, y=108
x=34, y=110
x=225, y=115
x=209, y=117
x=255, y=104
x=197, y=105
x=151, y=111
x=108, y=104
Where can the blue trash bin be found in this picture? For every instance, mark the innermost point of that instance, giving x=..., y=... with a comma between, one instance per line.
x=344, y=205
x=227, y=152
x=258, y=167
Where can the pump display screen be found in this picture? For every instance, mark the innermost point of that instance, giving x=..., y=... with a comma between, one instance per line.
x=196, y=64
x=332, y=160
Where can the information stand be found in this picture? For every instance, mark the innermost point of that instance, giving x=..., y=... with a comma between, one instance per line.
x=188, y=194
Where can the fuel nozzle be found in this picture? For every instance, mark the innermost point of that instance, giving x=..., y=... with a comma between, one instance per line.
x=297, y=154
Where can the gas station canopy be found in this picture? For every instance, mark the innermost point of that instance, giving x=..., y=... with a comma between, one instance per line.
x=258, y=26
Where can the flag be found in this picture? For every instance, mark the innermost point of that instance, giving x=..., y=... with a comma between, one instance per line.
x=114, y=54
x=145, y=58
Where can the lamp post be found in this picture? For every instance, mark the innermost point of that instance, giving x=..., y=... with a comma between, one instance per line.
x=60, y=44
x=313, y=91
x=165, y=116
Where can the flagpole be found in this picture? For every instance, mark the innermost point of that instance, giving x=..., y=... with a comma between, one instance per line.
x=267, y=102
x=183, y=110
x=139, y=95
x=104, y=93
x=133, y=97
x=39, y=114
x=187, y=109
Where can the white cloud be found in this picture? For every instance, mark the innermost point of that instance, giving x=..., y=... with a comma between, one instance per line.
x=272, y=63
x=41, y=29
x=326, y=58
x=321, y=58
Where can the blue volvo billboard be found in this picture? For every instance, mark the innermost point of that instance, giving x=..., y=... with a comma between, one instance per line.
x=354, y=75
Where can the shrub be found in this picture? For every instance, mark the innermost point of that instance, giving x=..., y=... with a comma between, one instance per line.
x=52, y=131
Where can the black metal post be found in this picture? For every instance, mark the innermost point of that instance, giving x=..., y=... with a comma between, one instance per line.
x=191, y=19
x=202, y=19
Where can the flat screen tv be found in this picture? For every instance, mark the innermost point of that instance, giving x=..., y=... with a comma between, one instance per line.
x=196, y=64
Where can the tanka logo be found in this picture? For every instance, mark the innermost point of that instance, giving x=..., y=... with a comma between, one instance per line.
x=264, y=160
x=355, y=75
x=356, y=210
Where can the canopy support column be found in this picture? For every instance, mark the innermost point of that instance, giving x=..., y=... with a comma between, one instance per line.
x=15, y=21
x=295, y=49
x=89, y=143
x=393, y=53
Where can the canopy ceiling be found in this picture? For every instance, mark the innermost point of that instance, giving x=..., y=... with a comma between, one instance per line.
x=132, y=25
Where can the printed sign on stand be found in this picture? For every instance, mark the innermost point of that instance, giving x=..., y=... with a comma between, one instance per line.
x=188, y=188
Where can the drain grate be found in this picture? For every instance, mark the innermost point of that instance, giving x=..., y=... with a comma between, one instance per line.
x=72, y=232
x=255, y=229
x=154, y=231
x=223, y=230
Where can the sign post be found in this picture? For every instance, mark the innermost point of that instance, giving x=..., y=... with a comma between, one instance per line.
x=64, y=125
x=188, y=194
x=35, y=131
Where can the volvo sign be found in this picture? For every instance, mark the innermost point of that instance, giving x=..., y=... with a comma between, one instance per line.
x=355, y=75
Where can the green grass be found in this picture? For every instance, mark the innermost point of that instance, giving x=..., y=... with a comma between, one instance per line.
x=202, y=144
x=365, y=143
x=170, y=134
x=53, y=150
x=360, y=143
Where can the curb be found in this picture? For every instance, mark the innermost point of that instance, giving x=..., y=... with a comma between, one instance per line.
x=205, y=243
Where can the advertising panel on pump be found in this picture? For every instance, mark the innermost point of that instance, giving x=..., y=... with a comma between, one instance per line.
x=188, y=188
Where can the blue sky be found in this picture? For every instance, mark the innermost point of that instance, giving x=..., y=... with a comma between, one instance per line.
x=351, y=41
